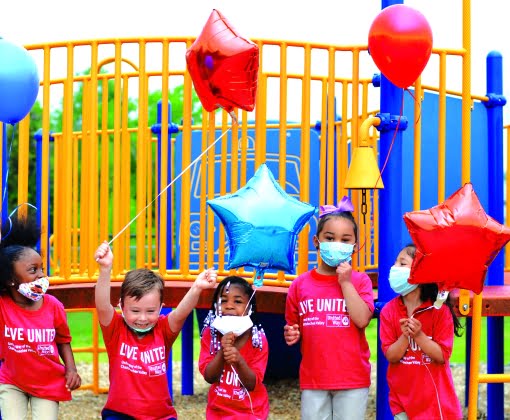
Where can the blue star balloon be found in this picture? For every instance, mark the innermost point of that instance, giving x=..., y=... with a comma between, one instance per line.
x=262, y=223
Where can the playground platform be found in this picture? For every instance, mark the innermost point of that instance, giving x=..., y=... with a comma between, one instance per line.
x=270, y=299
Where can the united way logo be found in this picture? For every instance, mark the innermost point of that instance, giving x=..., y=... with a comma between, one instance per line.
x=338, y=320
x=238, y=394
x=157, y=369
x=45, y=350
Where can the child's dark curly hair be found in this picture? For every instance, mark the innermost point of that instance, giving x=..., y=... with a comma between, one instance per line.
x=18, y=235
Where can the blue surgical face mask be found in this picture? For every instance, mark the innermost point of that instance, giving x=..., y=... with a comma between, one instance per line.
x=335, y=253
x=398, y=280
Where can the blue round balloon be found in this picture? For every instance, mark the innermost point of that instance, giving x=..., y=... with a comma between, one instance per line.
x=19, y=82
x=262, y=223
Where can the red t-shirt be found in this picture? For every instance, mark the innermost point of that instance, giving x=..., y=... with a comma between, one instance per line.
x=335, y=353
x=228, y=399
x=417, y=385
x=29, y=350
x=138, y=381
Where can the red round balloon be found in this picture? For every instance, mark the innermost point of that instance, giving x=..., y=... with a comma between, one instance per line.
x=400, y=43
x=455, y=242
x=223, y=66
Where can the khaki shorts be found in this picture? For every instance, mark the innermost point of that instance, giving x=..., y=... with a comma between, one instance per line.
x=14, y=405
x=348, y=404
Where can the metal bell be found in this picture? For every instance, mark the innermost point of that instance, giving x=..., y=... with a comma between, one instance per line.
x=363, y=172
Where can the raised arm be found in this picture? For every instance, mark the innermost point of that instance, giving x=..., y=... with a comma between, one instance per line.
x=104, y=258
x=205, y=280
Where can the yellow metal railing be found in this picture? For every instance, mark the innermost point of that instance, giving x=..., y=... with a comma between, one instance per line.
x=94, y=349
x=92, y=162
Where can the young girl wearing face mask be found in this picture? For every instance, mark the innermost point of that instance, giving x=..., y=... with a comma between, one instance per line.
x=138, y=339
x=328, y=309
x=34, y=331
x=416, y=333
x=233, y=354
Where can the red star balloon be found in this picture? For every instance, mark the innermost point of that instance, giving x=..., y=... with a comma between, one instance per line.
x=223, y=66
x=455, y=242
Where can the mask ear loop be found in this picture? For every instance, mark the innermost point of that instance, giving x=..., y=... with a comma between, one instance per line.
x=249, y=300
x=119, y=305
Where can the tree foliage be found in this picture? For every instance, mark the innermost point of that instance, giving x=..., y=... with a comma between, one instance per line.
x=175, y=96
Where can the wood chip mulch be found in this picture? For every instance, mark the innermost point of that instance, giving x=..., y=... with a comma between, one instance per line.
x=284, y=397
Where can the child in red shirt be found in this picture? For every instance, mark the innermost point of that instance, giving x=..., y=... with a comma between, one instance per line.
x=138, y=340
x=34, y=331
x=328, y=309
x=417, y=339
x=233, y=355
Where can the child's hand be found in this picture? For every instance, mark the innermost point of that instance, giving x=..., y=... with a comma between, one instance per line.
x=73, y=380
x=206, y=279
x=228, y=340
x=344, y=272
x=414, y=327
x=404, y=326
x=291, y=334
x=103, y=255
x=230, y=353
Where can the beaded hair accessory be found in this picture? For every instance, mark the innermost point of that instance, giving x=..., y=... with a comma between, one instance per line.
x=345, y=204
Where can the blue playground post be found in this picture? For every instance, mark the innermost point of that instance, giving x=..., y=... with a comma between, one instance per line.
x=187, y=330
x=495, y=330
x=4, y=172
x=172, y=129
x=38, y=136
x=390, y=216
x=166, y=311
x=187, y=356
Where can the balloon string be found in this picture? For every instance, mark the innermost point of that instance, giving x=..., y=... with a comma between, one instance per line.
x=392, y=140
x=247, y=392
x=9, y=218
x=371, y=226
x=419, y=105
x=169, y=185
x=4, y=193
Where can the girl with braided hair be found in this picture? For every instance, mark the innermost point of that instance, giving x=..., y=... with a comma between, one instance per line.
x=35, y=343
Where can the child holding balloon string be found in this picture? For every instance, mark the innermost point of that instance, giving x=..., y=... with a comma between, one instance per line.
x=416, y=333
x=138, y=339
x=327, y=309
x=234, y=354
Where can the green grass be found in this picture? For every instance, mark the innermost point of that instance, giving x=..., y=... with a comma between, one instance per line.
x=459, y=344
x=80, y=324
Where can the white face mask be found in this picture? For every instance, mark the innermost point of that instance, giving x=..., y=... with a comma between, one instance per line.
x=232, y=323
x=34, y=290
